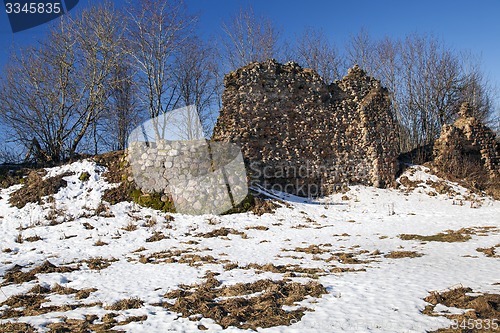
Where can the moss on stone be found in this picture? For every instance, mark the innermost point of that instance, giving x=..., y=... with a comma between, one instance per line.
x=152, y=200
x=84, y=176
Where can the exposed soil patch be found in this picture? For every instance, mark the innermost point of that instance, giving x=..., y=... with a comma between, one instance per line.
x=36, y=187
x=238, y=306
x=479, y=310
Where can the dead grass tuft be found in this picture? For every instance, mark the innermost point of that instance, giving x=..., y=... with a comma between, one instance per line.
x=100, y=243
x=157, y=236
x=126, y=304
x=489, y=252
x=263, y=206
x=403, y=254
x=449, y=236
x=98, y=263
x=222, y=232
x=311, y=249
x=479, y=308
x=15, y=275
x=86, y=325
x=246, y=306
x=32, y=303
x=16, y=328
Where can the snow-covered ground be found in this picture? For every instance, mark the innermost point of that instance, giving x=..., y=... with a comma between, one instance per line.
x=380, y=294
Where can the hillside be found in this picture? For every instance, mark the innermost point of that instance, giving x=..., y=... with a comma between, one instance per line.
x=368, y=260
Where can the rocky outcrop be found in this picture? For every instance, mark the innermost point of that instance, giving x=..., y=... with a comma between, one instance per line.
x=305, y=137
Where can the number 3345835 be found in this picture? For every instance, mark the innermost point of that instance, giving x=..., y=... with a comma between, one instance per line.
x=33, y=8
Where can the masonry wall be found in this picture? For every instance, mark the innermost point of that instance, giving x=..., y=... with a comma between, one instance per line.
x=306, y=137
x=467, y=139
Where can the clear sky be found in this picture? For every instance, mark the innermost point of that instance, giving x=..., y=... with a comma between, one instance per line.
x=472, y=25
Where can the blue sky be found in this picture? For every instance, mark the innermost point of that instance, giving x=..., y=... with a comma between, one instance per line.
x=471, y=25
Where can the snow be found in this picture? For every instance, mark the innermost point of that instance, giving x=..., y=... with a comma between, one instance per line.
x=386, y=297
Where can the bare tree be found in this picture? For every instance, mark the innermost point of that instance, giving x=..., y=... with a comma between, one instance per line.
x=314, y=51
x=156, y=29
x=430, y=87
x=123, y=114
x=248, y=38
x=476, y=89
x=52, y=94
x=195, y=76
x=360, y=50
x=99, y=38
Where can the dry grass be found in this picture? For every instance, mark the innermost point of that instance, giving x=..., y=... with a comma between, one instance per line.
x=156, y=237
x=257, y=227
x=403, y=254
x=234, y=305
x=125, y=304
x=130, y=227
x=263, y=206
x=32, y=303
x=449, y=236
x=16, y=328
x=222, y=232
x=36, y=187
x=15, y=275
x=486, y=306
x=311, y=249
x=88, y=226
x=88, y=324
x=34, y=238
x=289, y=270
x=490, y=251
x=100, y=243
x=98, y=263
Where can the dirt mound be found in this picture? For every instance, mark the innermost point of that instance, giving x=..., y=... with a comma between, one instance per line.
x=244, y=305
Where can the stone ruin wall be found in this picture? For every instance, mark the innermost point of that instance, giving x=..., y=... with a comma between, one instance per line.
x=299, y=133
x=467, y=138
x=305, y=136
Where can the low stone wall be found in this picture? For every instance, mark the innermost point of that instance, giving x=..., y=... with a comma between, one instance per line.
x=197, y=176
